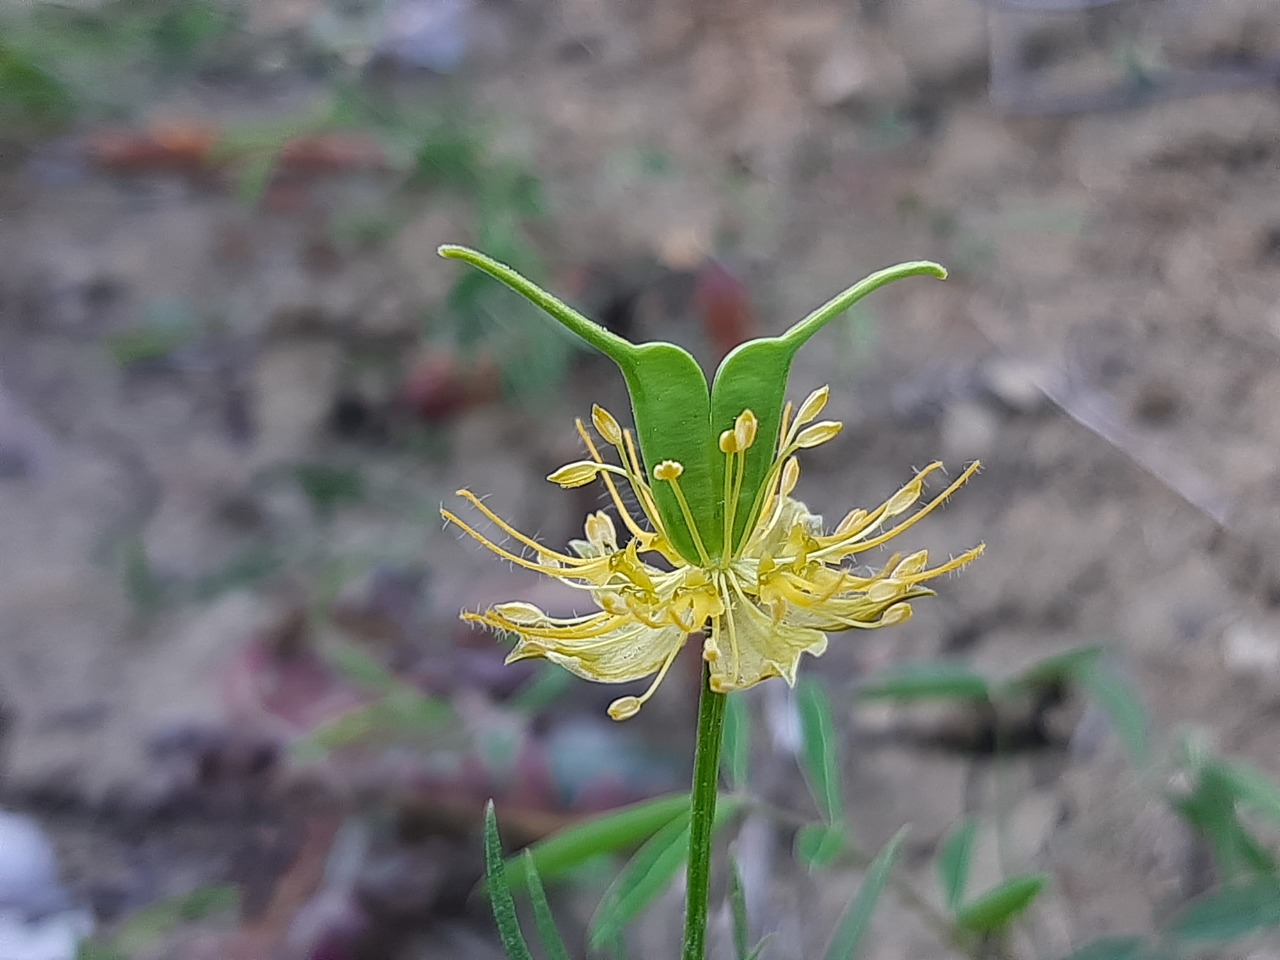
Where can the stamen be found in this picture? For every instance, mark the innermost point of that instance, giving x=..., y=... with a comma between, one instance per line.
x=613, y=490
x=513, y=532
x=626, y=707
x=557, y=572
x=670, y=470
x=813, y=405
x=859, y=547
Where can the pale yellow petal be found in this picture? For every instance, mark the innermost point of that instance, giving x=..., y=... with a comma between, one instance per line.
x=752, y=647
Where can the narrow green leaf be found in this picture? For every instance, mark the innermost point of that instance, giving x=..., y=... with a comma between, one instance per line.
x=1231, y=912
x=753, y=376
x=821, y=754
x=954, y=860
x=999, y=907
x=737, y=741
x=759, y=948
x=817, y=844
x=144, y=927
x=856, y=917
x=929, y=680
x=1211, y=809
x=504, y=905
x=648, y=873
x=552, y=942
x=1249, y=785
x=669, y=397
x=1117, y=699
x=738, y=911
x=616, y=830
x=1063, y=668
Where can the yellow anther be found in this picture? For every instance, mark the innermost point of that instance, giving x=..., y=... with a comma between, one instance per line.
x=606, y=425
x=898, y=613
x=624, y=708
x=744, y=430
x=819, y=433
x=668, y=470
x=790, y=476
x=600, y=530
x=728, y=442
x=577, y=474
x=812, y=405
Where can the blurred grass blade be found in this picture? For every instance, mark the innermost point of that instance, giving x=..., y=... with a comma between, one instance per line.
x=817, y=844
x=1249, y=785
x=954, y=860
x=644, y=877
x=856, y=917
x=552, y=942
x=607, y=833
x=1230, y=913
x=737, y=741
x=737, y=908
x=504, y=905
x=647, y=874
x=1060, y=669
x=999, y=907
x=937, y=680
x=820, y=756
x=1117, y=699
x=759, y=949
x=141, y=931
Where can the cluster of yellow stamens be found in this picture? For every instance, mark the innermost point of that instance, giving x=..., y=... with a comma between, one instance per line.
x=770, y=597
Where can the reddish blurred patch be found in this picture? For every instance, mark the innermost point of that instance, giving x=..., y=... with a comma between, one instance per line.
x=724, y=307
x=440, y=385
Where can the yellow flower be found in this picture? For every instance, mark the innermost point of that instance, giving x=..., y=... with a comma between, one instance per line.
x=770, y=598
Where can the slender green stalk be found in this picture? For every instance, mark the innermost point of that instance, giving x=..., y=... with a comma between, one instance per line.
x=706, y=777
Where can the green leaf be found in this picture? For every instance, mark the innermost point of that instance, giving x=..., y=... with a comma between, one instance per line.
x=997, y=908
x=1063, y=668
x=1249, y=785
x=753, y=376
x=954, y=860
x=648, y=873
x=1231, y=912
x=669, y=398
x=738, y=911
x=856, y=917
x=361, y=668
x=737, y=741
x=1211, y=809
x=149, y=923
x=552, y=942
x=609, y=832
x=817, y=844
x=678, y=417
x=820, y=756
x=1117, y=699
x=929, y=680
x=1114, y=948
x=504, y=905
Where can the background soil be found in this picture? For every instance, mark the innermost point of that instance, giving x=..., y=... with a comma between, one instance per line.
x=1107, y=345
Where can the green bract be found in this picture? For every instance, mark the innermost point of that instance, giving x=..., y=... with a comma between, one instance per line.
x=678, y=417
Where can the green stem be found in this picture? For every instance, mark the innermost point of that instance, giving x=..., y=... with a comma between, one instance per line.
x=706, y=778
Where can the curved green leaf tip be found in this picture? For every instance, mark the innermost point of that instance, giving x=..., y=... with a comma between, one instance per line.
x=679, y=417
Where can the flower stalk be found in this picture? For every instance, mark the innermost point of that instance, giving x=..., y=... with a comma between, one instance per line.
x=706, y=779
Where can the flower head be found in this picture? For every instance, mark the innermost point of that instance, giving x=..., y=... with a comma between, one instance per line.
x=772, y=593
x=719, y=544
